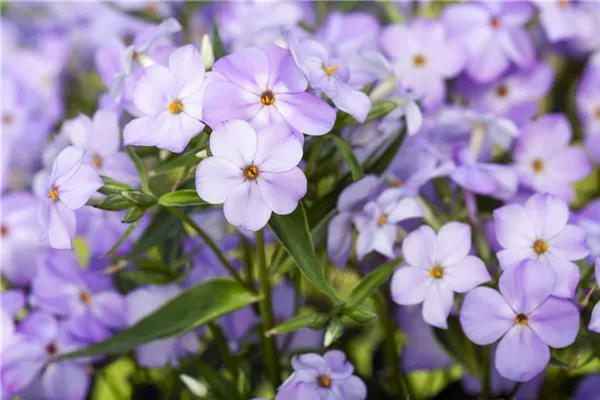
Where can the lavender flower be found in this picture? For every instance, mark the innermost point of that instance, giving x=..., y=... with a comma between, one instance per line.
x=253, y=173
x=524, y=316
x=437, y=267
x=595, y=320
x=329, y=376
x=264, y=88
x=68, y=187
x=564, y=20
x=588, y=219
x=539, y=231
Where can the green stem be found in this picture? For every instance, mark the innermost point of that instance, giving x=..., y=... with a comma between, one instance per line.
x=314, y=155
x=221, y=343
x=187, y=220
x=266, y=312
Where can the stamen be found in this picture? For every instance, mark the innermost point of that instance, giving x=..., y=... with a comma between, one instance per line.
x=419, y=60
x=540, y=246
x=176, y=107
x=495, y=22
x=436, y=272
x=52, y=349
x=324, y=381
x=563, y=3
x=3, y=231
x=54, y=194
x=7, y=119
x=382, y=220
x=501, y=90
x=267, y=98
x=251, y=172
x=96, y=161
x=85, y=297
x=537, y=165
x=329, y=70
x=399, y=182
x=521, y=319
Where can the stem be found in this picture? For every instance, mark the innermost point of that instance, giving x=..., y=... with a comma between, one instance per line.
x=513, y=393
x=486, y=378
x=186, y=219
x=266, y=312
x=221, y=343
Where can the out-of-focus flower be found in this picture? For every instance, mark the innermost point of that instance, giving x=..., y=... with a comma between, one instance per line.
x=298, y=391
x=524, y=316
x=539, y=231
x=437, y=267
x=377, y=224
x=142, y=302
x=587, y=389
x=67, y=188
x=595, y=320
x=545, y=161
x=265, y=88
x=330, y=376
x=494, y=35
x=564, y=20
x=327, y=74
x=588, y=219
x=429, y=59
x=587, y=98
x=253, y=173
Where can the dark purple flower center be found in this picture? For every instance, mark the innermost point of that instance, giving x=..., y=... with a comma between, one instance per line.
x=251, y=172
x=540, y=246
x=267, y=98
x=324, y=381
x=521, y=319
x=52, y=349
x=436, y=272
x=176, y=107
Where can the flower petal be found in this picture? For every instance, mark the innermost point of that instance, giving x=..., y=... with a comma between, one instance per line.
x=556, y=322
x=224, y=101
x=485, y=316
x=182, y=129
x=410, y=285
x=353, y=388
x=419, y=247
x=521, y=355
x=106, y=135
x=467, y=274
x=217, y=178
x=277, y=150
x=245, y=207
x=510, y=258
x=337, y=361
x=66, y=164
x=147, y=131
x=247, y=69
x=309, y=362
x=156, y=354
x=569, y=244
x=567, y=276
x=548, y=215
x=187, y=68
x=284, y=75
x=453, y=243
x=595, y=320
x=76, y=191
x=437, y=304
x=235, y=141
x=350, y=100
x=61, y=226
x=527, y=285
x=339, y=239
x=154, y=90
x=281, y=191
x=109, y=307
x=513, y=228
x=405, y=209
x=517, y=46
x=305, y=112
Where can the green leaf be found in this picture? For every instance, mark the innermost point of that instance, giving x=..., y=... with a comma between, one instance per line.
x=134, y=214
x=292, y=231
x=122, y=239
x=139, y=198
x=360, y=314
x=217, y=44
x=163, y=225
x=297, y=322
x=187, y=159
x=334, y=331
x=140, y=168
x=221, y=387
x=348, y=154
x=114, y=202
x=181, y=198
x=198, y=305
x=112, y=186
x=458, y=346
x=370, y=283
x=379, y=109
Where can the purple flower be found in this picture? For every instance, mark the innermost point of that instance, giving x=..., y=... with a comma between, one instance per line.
x=437, y=267
x=545, y=161
x=426, y=59
x=494, y=35
x=564, y=20
x=524, y=316
x=68, y=187
x=101, y=138
x=377, y=225
x=11, y=301
x=265, y=88
x=253, y=173
x=170, y=100
x=142, y=302
x=297, y=391
x=539, y=231
x=595, y=320
x=587, y=98
x=328, y=74
x=588, y=219
x=587, y=388
x=330, y=376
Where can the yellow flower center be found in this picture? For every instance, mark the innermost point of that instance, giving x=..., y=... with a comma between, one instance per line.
x=85, y=297
x=54, y=194
x=324, y=381
x=563, y=3
x=382, y=220
x=598, y=113
x=97, y=161
x=251, y=172
x=267, y=98
x=540, y=247
x=521, y=319
x=537, y=166
x=329, y=70
x=419, y=60
x=436, y=272
x=176, y=107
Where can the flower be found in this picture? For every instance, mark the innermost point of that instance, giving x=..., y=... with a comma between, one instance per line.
x=101, y=138
x=330, y=376
x=588, y=219
x=328, y=74
x=539, y=231
x=265, y=88
x=253, y=172
x=564, y=20
x=171, y=101
x=587, y=98
x=438, y=266
x=68, y=187
x=524, y=316
x=377, y=224
x=595, y=320
x=428, y=59
x=494, y=35
x=545, y=161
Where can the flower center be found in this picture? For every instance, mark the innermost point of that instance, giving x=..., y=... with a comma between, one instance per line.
x=436, y=272
x=54, y=194
x=251, y=172
x=419, y=60
x=324, y=381
x=267, y=98
x=85, y=297
x=598, y=113
x=52, y=349
x=537, y=165
x=495, y=22
x=540, y=247
x=176, y=107
x=502, y=91
x=7, y=119
x=399, y=182
x=521, y=319
x=3, y=231
x=563, y=3
x=96, y=161
x=329, y=70
x=382, y=220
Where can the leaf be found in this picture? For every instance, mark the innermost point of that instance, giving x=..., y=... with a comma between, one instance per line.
x=458, y=346
x=122, y=239
x=140, y=168
x=187, y=159
x=112, y=186
x=139, y=198
x=181, y=198
x=134, y=214
x=370, y=283
x=360, y=314
x=378, y=110
x=198, y=305
x=217, y=44
x=222, y=388
x=334, y=331
x=297, y=322
x=292, y=231
x=348, y=154
x=114, y=202
x=163, y=225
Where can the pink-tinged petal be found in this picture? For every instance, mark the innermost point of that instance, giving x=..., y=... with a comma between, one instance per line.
x=154, y=90
x=278, y=149
x=410, y=285
x=556, y=322
x=187, y=68
x=75, y=192
x=567, y=275
x=527, y=285
x=156, y=354
x=235, y=141
x=182, y=129
x=21, y=363
x=405, y=209
x=61, y=226
x=247, y=69
x=310, y=362
x=105, y=136
x=521, y=355
x=594, y=324
x=147, y=131
x=485, y=316
x=79, y=131
x=453, y=243
x=548, y=215
x=305, y=112
x=489, y=62
x=466, y=274
x=350, y=100
x=109, y=307
x=284, y=75
x=569, y=244
x=419, y=248
x=224, y=101
x=437, y=304
x=282, y=191
x=246, y=209
x=66, y=164
x=353, y=388
x=217, y=178
x=513, y=228
x=517, y=46
x=66, y=380
x=510, y=258
x=570, y=165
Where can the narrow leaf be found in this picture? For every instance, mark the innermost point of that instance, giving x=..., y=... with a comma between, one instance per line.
x=112, y=186
x=134, y=214
x=122, y=239
x=360, y=314
x=181, y=198
x=218, y=47
x=187, y=159
x=370, y=283
x=163, y=225
x=141, y=169
x=295, y=323
x=334, y=331
x=348, y=154
x=114, y=202
x=198, y=305
x=379, y=109
x=139, y=198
